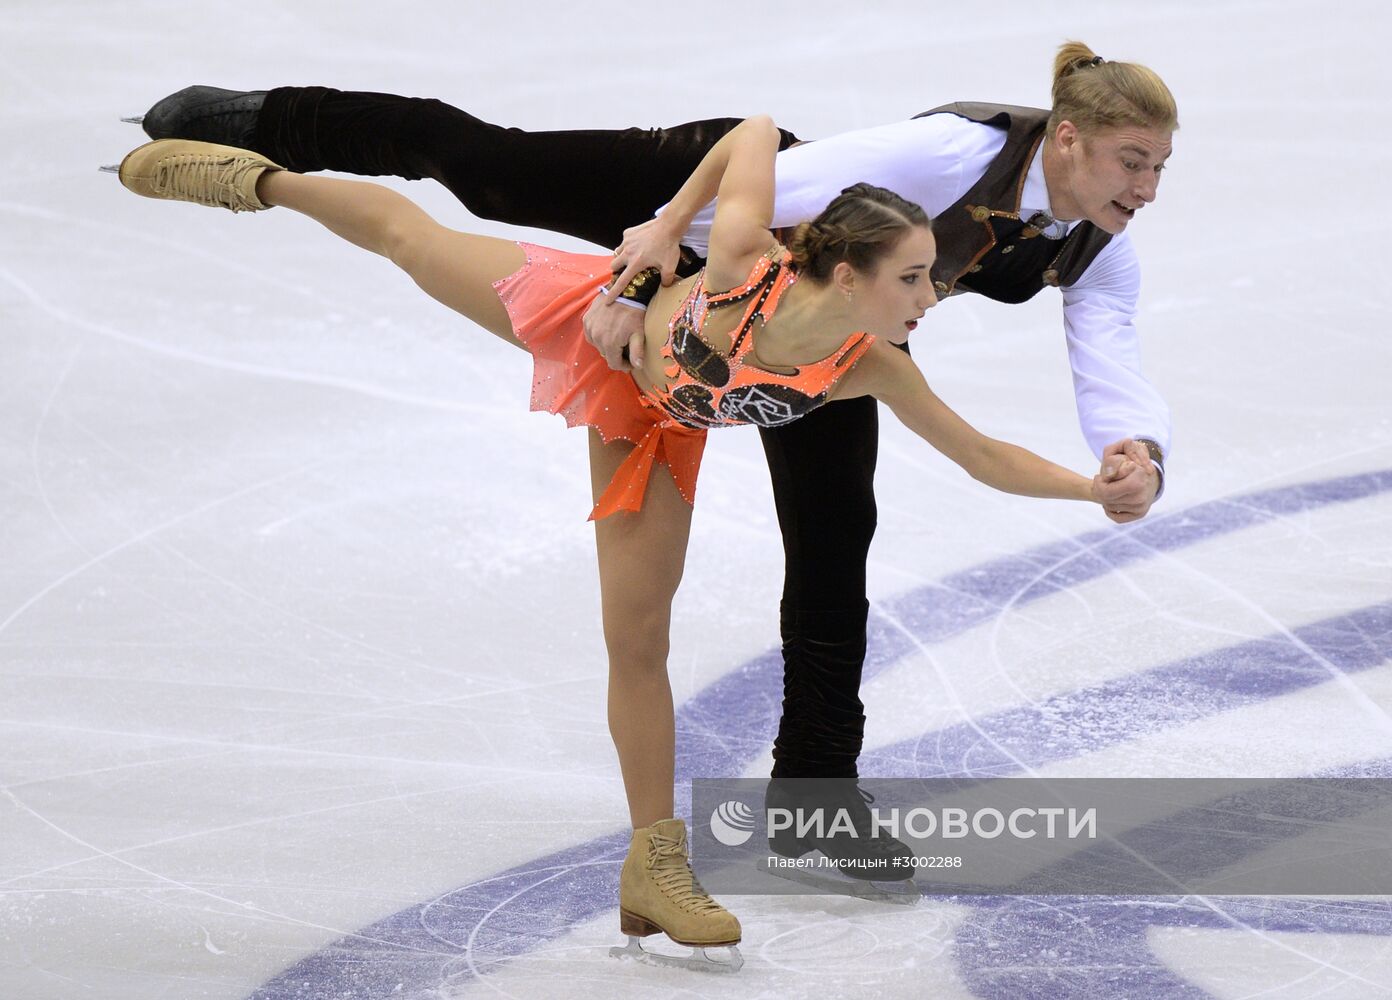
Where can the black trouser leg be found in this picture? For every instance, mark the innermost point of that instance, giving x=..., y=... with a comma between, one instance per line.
x=592, y=184
x=823, y=469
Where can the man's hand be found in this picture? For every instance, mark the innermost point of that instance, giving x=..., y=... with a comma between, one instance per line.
x=611, y=329
x=1127, y=482
x=651, y=244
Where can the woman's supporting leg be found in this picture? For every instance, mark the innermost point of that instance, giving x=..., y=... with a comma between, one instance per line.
x=456, y=269
x=641, y=558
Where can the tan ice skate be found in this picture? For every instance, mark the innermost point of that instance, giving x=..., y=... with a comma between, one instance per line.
x=200, y=172
x=659, y=894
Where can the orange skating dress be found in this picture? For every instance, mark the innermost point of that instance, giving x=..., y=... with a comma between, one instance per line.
x=546, y=300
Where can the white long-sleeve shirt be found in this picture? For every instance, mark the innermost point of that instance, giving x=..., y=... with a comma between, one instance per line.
x=934, y=161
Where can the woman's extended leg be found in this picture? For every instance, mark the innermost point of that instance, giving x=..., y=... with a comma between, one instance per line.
x=456, y=269
x=641, y=557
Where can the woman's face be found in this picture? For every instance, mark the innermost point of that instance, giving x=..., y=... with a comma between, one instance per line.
x=890, y=302
x=1108, y=175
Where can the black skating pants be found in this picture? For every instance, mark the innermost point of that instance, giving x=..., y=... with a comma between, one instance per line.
x=593, y=184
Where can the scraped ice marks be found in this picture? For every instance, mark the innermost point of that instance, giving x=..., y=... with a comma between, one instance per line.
x=1278, y=965
x=452, y=940
x=973, y=596
x=727, y=724
x=1148, y=701
x=1099, y=948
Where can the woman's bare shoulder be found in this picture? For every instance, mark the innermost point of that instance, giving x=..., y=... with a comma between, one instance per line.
x=725, y=270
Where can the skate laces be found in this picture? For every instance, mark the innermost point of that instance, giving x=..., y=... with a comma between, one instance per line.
x=210, y=179
x=671, y=872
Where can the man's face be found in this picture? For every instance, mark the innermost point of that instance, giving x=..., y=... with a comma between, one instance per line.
x=1109, y=175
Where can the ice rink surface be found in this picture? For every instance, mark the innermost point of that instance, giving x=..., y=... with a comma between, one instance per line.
x=301, y=679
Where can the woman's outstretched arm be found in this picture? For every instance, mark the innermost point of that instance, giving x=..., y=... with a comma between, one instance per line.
x=893, y=378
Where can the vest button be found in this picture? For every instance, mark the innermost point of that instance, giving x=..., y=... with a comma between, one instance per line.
x=1051, y=277
x=940, y=287
x=975, y=268
x=1009, y=249
x=980, y=213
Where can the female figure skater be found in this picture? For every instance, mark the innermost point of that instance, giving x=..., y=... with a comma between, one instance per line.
x=762, y=335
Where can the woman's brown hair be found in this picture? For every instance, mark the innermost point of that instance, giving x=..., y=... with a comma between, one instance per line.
x=860, y=226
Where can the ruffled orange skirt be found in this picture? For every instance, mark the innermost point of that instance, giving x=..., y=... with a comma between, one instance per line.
x=546, y=300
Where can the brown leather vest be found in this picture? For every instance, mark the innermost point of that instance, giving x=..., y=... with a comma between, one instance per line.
x=983, y=245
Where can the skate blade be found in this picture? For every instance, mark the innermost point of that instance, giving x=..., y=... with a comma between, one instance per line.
x=136, y=120
x=699, y=960
x=900, y=893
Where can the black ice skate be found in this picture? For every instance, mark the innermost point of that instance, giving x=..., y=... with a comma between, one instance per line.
x=871, y=864
x=208, y=114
